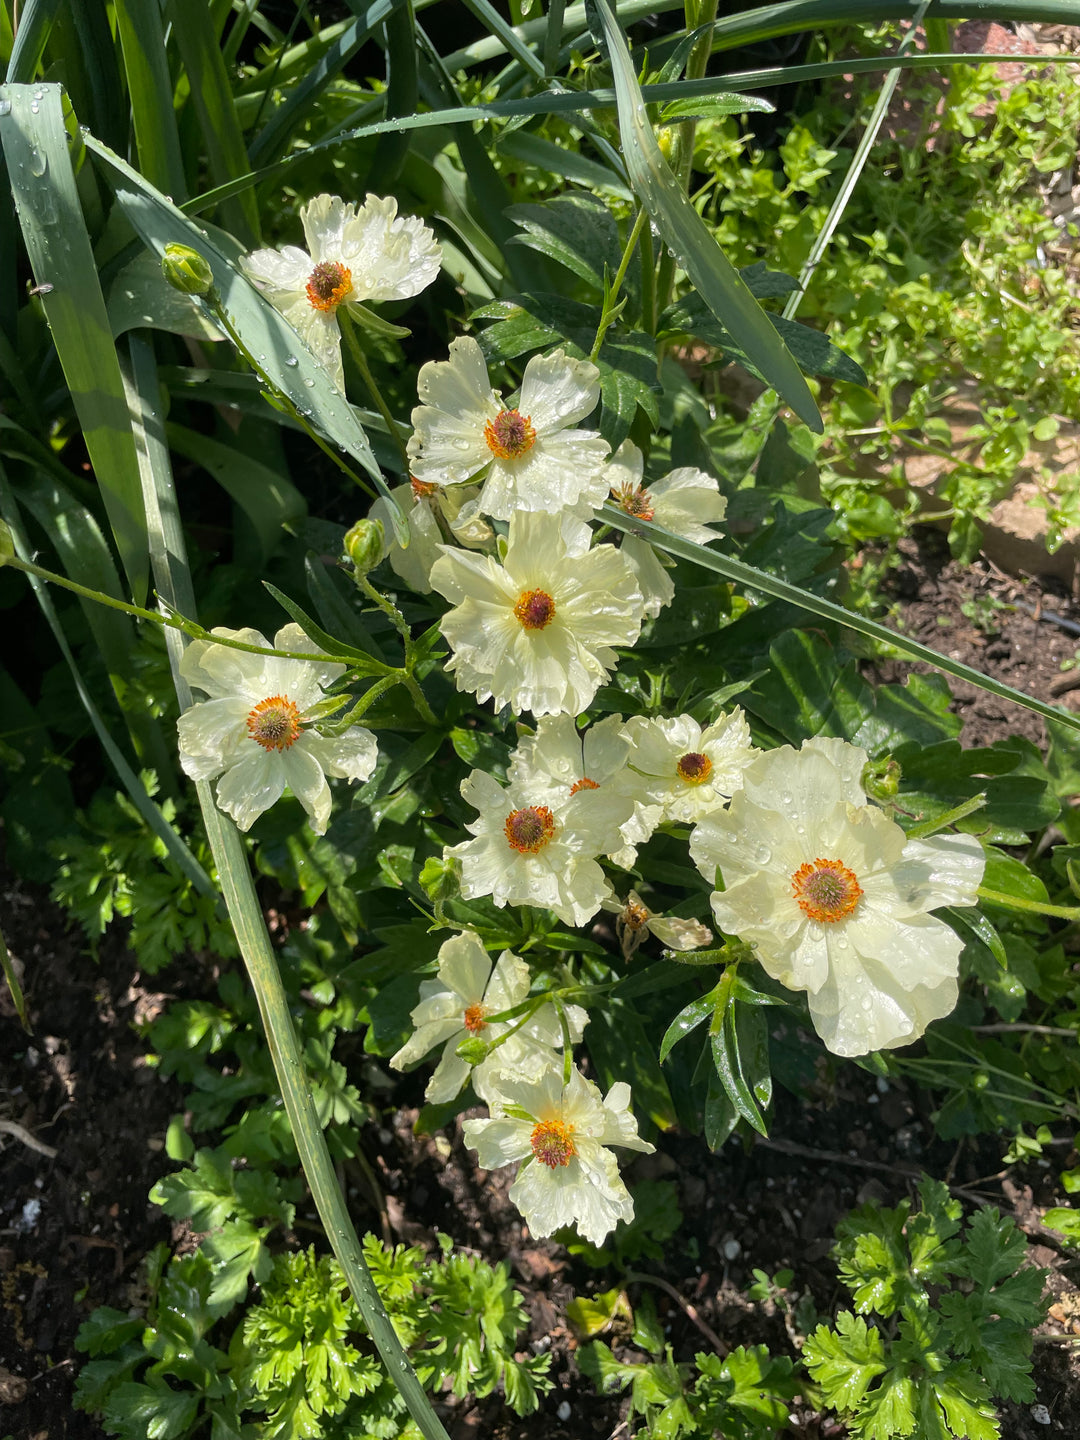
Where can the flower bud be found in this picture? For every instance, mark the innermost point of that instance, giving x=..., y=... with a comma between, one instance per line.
x=186, y=270
x=881, y=780
x=365, y=545
x=473, y=1049
x=7, y=544
x=440, y=878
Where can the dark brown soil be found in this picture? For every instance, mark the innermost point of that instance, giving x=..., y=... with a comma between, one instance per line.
x=82, y=1086
x=997, y=623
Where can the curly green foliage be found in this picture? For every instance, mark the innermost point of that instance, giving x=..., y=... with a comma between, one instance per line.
x=964, y=1306
x=301, y=1359
x=113, y=865
x=743, y=1396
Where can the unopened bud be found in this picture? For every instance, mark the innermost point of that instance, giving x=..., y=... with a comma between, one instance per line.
x=440, y=878
x=365, y=545
x=186, y=270
x=881, y=780
x=7, y=544
x=473, y=1050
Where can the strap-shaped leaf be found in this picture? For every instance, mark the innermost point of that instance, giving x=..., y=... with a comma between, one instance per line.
x=755, y=579
x=710, y=271
x=36, y=150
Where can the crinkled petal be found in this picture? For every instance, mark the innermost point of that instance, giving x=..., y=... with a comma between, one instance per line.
x=223, y=672
x=307, y=782
x=499, y=1141
x=449, y=1076
x=251, y=786
x=557, y=391
x=213, y=735
x=349, y=756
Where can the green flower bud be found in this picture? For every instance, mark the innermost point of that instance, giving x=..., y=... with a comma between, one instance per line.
x=881, y=780
x=7, y=544
x=186, y=270
x=365, y=544
x=440, y=879
x=473, y=1050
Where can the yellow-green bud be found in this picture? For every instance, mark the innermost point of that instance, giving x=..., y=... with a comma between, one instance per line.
x=473, y=1049
x=881, y=780
x=7, y=544
x=365, y=544
x=186, y=270
x=440, y=878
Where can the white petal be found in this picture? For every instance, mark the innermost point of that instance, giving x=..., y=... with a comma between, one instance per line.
x=391, y=257
x=212, y=735
x=557, y=391
x=324, y=219
x=465, y=966
x=308, y=783
x=349, y=756
x=449, y=1076
x=223, y=672
x=282, y=274
x=498, y=1142
x=252, y=786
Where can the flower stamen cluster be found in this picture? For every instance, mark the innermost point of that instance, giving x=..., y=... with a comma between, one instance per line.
x=274, y=723
x=825, y=890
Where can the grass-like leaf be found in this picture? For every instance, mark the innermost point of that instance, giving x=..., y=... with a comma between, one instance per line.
x=36, y=149
x=753, y=579
x=710, y=271
x=157, y=139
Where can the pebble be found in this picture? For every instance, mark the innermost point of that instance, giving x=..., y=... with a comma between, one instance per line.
x=731, y=1249
x=1040, y=1415
x=564, y=1411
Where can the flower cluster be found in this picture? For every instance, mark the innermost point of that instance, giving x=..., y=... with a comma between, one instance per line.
x=543, y=1113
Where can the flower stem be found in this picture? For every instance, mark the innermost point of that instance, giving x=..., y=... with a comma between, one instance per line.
x=348, y=329
x=173, y=620
x=611, y=308
x=1036, y=907
x=401, y=625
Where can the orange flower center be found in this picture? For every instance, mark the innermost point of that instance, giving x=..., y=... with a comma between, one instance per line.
x=825, y=890
x=634, y=499
x=694, y=768
x=553, y=1143
x=529, y=829
x=328, y=285
x=421, y=489
x=535, y=609
x=274, y=723
x=474, y=1019
x=510, y=435
x=584, y=784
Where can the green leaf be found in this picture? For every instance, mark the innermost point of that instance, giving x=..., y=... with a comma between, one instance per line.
x=844, y=1361
x=714, y=107
x=39, y=167
x=146, y=68
x=1066, y=1221
x=358, y=660
x=682, y=228
x=687, y=1020
x=150, y=1412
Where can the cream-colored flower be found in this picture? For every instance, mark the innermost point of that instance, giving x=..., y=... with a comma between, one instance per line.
x=561, y=760
x=688, y=770
x=531, y=459
x=459, y=1004
x=687, y=502
x=537, y=631
x=835, y=897
x=255, y=730
x=428, y=509
x=355, y=254
x=560, y=1133
x=634, y=920
x=531, y=852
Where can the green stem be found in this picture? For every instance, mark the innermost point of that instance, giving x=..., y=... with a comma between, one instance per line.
x=611, y=310
x=174, y=621
x=959, y=812
x=348, y=329
x=1036, y=907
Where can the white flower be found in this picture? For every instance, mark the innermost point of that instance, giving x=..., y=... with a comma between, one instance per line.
x=533, y=461
x=354, y=255
x=835, y=897
x=560, y=760
x=561, y=1133
x=687, y=502
x=424, y=507
x=634, y=920
x=527, y=852
x=457, y=1005
x=253, y=731
x=536, y=631
x=688, y=770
